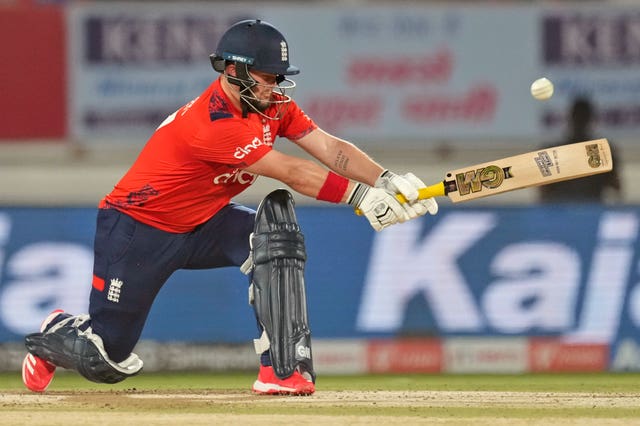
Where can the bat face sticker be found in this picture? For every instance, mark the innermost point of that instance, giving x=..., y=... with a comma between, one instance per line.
x=544, y=163
x=486, y=177
x=593, y=155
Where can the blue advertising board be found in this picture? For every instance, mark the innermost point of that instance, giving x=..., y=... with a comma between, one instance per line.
x=569, y=272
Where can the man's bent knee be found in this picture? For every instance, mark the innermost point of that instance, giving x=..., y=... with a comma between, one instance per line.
x=72, y=344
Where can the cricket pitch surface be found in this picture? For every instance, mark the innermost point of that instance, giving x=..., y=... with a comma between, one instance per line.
x=478, y=408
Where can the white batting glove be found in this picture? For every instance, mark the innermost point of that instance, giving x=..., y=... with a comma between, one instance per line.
x=408, y=185
x=422, y=207
x=380, y=207
x=397, y=184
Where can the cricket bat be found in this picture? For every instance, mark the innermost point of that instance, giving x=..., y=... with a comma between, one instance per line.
x=540, y=167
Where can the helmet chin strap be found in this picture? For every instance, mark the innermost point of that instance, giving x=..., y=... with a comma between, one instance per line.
x=244, y=105
x=245, y=82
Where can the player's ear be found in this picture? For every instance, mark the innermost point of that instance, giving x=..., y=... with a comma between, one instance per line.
x=231, y=69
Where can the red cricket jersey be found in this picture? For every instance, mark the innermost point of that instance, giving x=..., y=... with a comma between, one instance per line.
x=193, y=164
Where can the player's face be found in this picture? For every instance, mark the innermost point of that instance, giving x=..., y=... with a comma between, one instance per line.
x=264, y=89
x=261, y=92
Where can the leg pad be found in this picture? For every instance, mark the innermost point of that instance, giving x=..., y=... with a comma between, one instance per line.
x=72, y=344
x=277, y=285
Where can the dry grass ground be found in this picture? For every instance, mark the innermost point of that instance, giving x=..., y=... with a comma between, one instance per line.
x=181, y=399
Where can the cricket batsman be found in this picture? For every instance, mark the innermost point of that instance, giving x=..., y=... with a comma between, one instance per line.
x=173, y=210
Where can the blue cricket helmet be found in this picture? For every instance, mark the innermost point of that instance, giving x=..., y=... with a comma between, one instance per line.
x=258, y=45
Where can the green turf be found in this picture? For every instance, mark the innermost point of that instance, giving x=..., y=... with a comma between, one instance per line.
x=596, y=382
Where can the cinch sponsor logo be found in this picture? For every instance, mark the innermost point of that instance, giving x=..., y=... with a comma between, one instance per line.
x=236, y=176
x=243, y=151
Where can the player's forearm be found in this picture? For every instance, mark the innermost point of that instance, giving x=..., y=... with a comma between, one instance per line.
x=341, y=156
x=351, y=162
x=315, y=181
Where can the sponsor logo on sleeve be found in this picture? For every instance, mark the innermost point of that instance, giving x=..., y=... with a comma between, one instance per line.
x=243, y=151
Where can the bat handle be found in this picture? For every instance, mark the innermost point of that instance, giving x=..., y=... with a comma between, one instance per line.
x=431, y=191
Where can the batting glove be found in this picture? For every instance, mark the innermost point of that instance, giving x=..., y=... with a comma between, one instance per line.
x=422, y=207
x=380, y=207
x=397, y=184
x=408, y=185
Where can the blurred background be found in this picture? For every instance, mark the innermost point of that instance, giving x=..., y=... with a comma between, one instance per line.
x=533, y=280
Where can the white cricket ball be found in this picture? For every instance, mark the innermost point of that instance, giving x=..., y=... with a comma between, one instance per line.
x=542, y=89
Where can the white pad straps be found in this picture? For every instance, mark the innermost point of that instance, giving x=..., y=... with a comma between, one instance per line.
x=262, y=344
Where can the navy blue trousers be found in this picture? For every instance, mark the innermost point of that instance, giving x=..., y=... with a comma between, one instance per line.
x=133, y=261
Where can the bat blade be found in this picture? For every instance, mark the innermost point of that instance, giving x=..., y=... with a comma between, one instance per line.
x=536, y=168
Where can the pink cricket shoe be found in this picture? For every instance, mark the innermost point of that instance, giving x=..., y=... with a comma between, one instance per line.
x=269, y=384
x=37, y=373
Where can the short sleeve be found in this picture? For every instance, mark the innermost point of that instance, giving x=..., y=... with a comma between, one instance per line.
x=229, y=141
x=295, y=123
